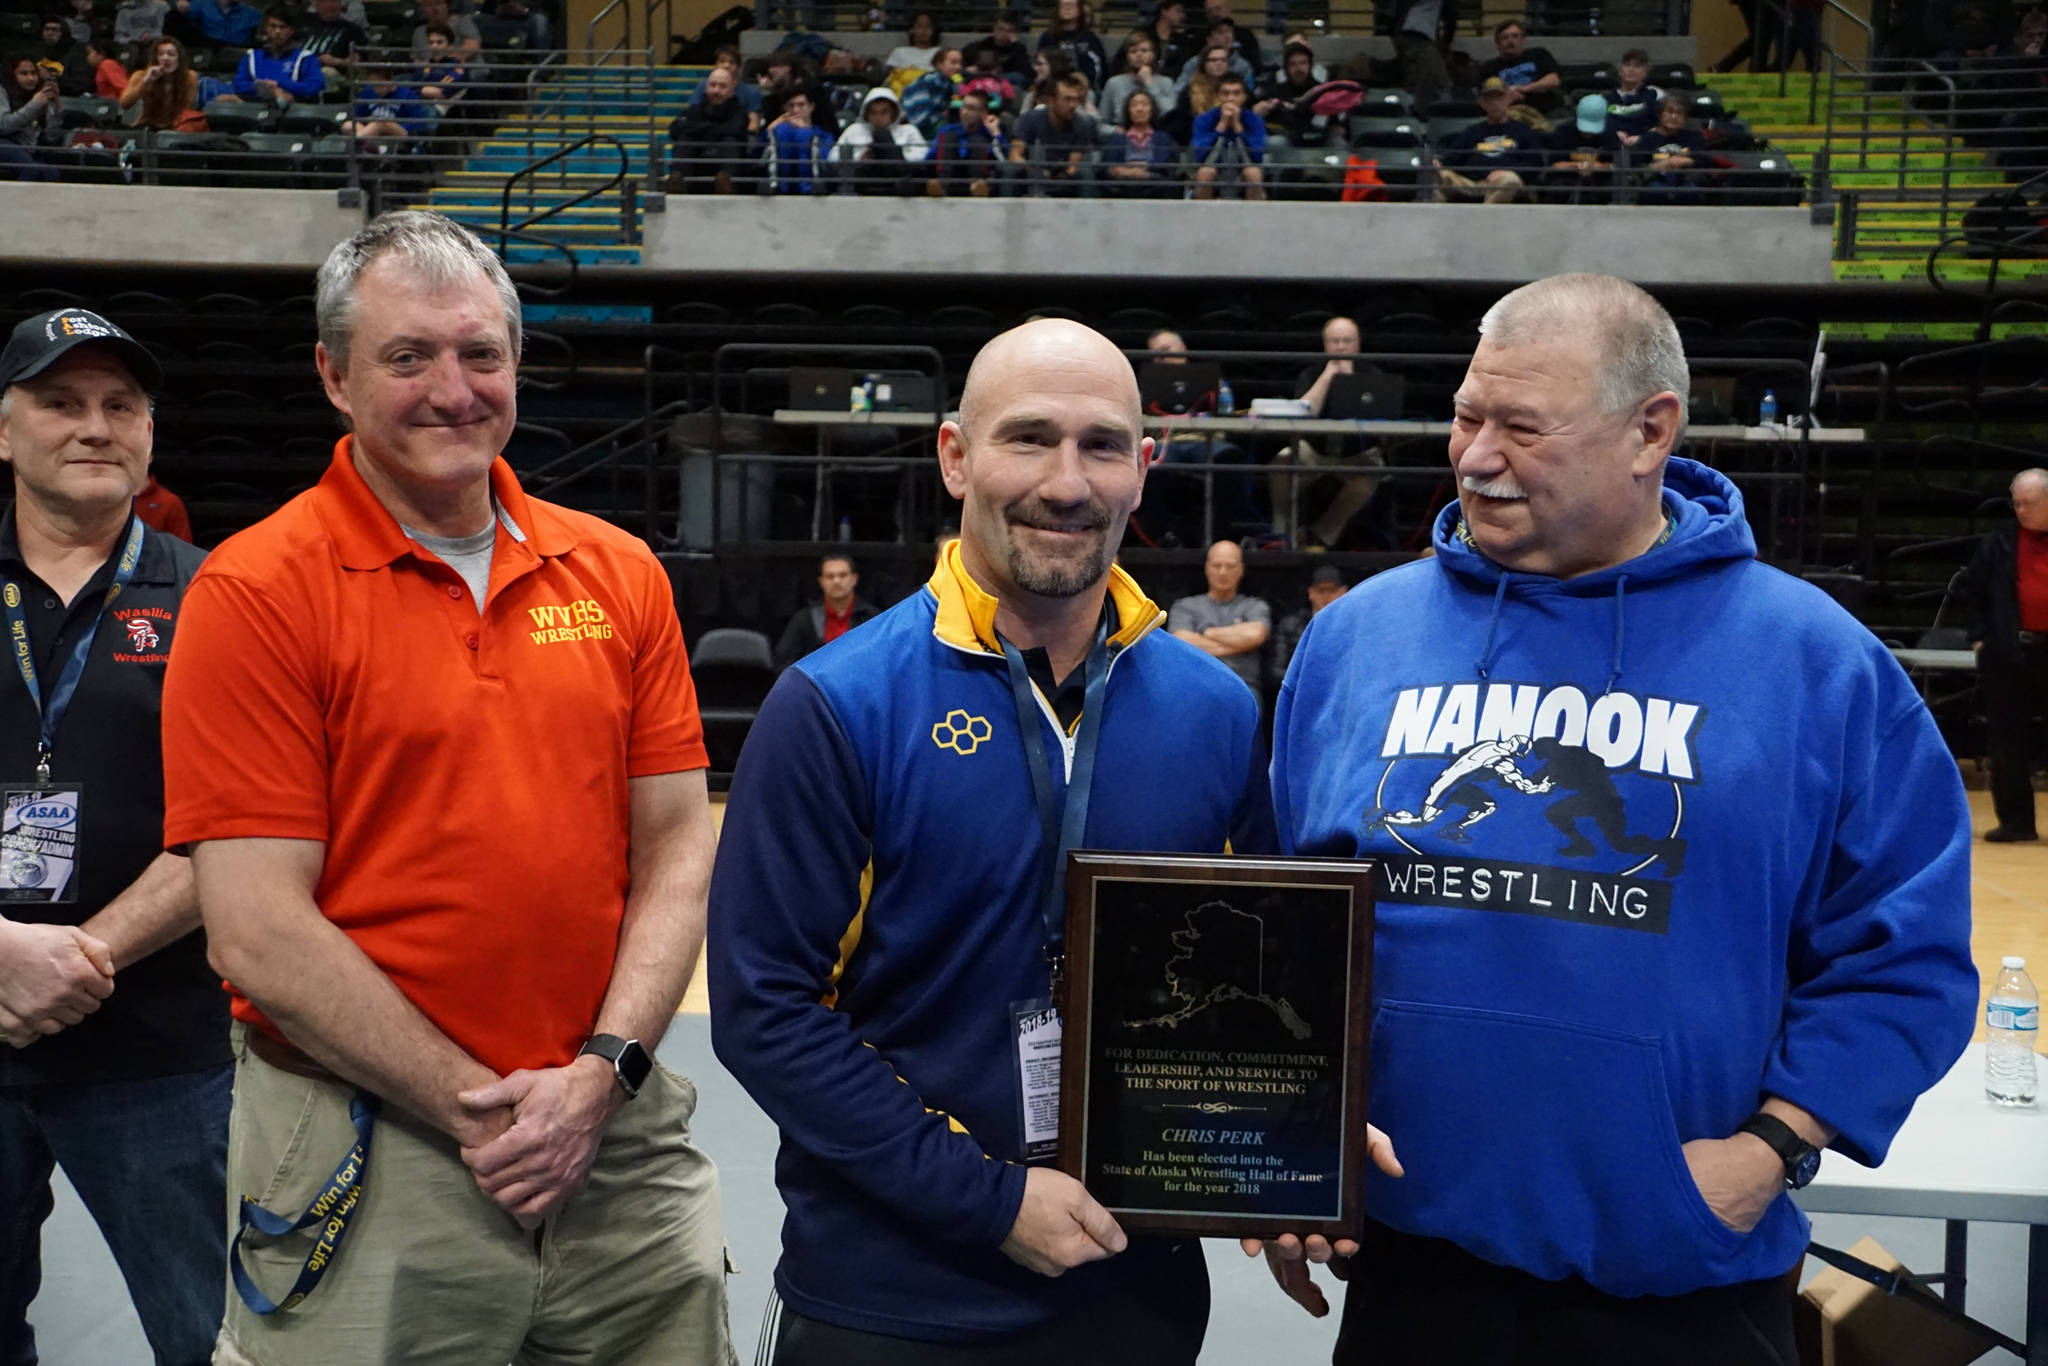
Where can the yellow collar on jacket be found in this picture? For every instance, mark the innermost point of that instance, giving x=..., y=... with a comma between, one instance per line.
x=966, y=618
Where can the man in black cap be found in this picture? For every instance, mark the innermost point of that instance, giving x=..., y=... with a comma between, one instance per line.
x=114, y=1056
x=1325, y=586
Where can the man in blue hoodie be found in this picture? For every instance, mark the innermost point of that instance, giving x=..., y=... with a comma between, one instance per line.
x=1674, y=884
x=280, y=72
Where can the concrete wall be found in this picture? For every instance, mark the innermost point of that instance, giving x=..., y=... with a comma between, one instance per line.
x=1188, y=241
x=119, y=225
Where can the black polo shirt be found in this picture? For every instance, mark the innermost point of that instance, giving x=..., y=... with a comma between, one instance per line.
x=168, y=1013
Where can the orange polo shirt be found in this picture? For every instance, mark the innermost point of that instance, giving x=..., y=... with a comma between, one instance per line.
x=332, y=681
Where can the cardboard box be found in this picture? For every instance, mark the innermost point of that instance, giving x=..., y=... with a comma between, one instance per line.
x=1843, y=1321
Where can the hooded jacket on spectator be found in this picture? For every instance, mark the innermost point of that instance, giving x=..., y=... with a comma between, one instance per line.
x=1252, y=140
x=860, y=134
x=795, y=157
x=927, y=100
x=298, y=73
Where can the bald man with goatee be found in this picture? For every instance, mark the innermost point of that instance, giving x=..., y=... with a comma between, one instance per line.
x=864, y=992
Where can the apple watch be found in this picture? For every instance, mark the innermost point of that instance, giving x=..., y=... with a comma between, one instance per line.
x=630, y=1063
x=1801, y=1158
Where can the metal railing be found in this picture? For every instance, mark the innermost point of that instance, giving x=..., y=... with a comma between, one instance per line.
x=1360, y=17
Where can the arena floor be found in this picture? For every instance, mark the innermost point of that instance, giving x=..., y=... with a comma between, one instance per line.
x=82, y=1317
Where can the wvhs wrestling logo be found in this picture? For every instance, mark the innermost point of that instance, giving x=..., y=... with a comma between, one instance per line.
x=1570, y=806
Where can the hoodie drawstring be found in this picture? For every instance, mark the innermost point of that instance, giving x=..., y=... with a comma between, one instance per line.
x=1492, y=628
x=1620, y=596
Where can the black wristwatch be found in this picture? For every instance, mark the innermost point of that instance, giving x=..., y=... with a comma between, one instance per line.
x=630, y=1063
x=1801, y=1158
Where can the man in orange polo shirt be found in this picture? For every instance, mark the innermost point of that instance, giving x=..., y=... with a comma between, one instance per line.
x=436, y=753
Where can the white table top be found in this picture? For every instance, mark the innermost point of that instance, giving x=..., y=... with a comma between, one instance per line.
x=1299, y=426
x=1961, y=660
x=1959, y=1156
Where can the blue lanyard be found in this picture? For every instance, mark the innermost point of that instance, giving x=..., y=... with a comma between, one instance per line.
x=1060, y=831
x=52, y=711
x=331, y=1210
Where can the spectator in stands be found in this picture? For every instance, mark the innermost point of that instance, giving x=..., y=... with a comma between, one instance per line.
x=31, y=120
x=1200, y=79
x=158, y=507
x=1530, y=73
x=1137, y=69
x=80, y=21
x=1072, y=31
x=748, y=93
x=1243, y=41
x=988, y=79
x=1053, y=142
x=1230, y=142
x=795, y=149
x=1418, y=45
x=167, y=89
x=838, y=610
x=1283, y=95
x=1141, y=162
x=64, y=56
x=333, y=37
x=788, y=75
x=109, y=77
x=928, y=100
x=922, y=44
x=1632, y=104
x=1488, y=159
x=1172, y=43
x=1287, y=488
x=280, y=72
x=1582, y=155
x=1223, y=622
x=877, y=154
x=970, y=151
x=137, y=21
x=1325, y=586
x=708, y=141
x=1672, y=151
x=440, y=77
x=2007, y=583
x=221, y=23
x=1174, y=507
x=468, y=40
x=1802, y=33
x=1049, y=67
x=385, y=109
x=1011, y=56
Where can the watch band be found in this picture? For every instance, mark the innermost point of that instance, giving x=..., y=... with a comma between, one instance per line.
x=1799, y=1157
x=630, y=1063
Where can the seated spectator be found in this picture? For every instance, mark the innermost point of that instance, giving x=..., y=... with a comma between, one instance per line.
x=1174, y=507
x=928, y=100
x=1053, y=142
x=1141, y=162
x=1172, y=43
x=468, y=41
x=439, y=78
x=333, y=37
x=1282, y=97
x=989, y=80
x=86, y=23
x=1202, y=72
x=794, y=149
x=1325, y=586
x=1072, y=31
x=875, y=154
x=748, y=93
x=788, y=75
x=1138, y=70
x=219, y=23
x=1223, y=622
x=163, y=510
x=386, y=110
x=1530, y=73
x=1230, y=142
x=31, y=121
x=137, y=21
x=280, y=72
x=167, y=89
x=1582, y=155
x=1632, y=104
x=1243, y=41
x=839, y=610
x=708, y=141
x=64, y=57
x=1488, y=159
x=1672, y=152
x=970, y=151
x=1012, y=58
x=922, y=46
x=109, y=77
x=1053, y=68
x=1292, y=492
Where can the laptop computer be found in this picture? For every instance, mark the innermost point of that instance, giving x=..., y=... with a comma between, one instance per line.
x=820, y=390
x=1170, y=390
x=1372, y=394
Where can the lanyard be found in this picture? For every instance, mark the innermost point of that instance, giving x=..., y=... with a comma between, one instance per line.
x=1060, y=831
x=331, y=1210
x=52, y=711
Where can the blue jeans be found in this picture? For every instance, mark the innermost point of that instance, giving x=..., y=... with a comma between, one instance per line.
x=24, y=162
x=149, y=1159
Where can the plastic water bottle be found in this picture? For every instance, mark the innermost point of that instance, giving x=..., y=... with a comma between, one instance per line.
x=1767, y=413
x=1225, y=406
x=2011, y=1021
x=845, y=530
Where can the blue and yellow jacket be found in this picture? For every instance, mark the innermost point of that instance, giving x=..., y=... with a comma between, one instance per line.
x=874, y=915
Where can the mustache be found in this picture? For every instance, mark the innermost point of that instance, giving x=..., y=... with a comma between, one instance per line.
x=1034, y=512
x=1492, y=488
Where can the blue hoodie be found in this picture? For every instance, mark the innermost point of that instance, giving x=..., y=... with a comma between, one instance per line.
x=1659, y=841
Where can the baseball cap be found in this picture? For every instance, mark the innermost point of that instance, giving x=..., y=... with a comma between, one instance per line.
x=1592, y=114
x=1493, y=85
x=1327, y=573
x=43, y=340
